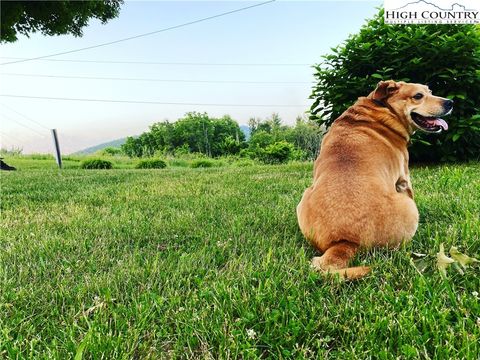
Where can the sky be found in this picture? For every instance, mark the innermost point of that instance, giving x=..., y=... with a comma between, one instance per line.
x=253, y=43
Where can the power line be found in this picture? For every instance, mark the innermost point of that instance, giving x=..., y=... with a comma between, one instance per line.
x=148, y=102
x=161, y=80
x=10, y=137
x=25, y=126
x=161, y=63
x=142, y=35
x=25, y=116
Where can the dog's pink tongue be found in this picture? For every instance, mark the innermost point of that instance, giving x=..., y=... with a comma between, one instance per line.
x=439, y=122
x=442, y=123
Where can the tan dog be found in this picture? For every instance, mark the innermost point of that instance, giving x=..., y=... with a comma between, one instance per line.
x=361, y=195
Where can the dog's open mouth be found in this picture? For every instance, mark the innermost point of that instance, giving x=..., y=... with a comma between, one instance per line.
x=429, y=124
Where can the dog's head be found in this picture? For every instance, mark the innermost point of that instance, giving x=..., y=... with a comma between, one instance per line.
x=414, y=104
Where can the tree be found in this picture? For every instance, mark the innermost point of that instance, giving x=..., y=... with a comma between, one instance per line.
x=195, y=132
x=446, y=58
x=253, y=124
x=52, y=17
x=261, y=139
x=148, y=144
x=306, y=135
x=227, y=137
x=163, y=134
x=132, y=147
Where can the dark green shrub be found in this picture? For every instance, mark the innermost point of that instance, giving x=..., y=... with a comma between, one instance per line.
x=110, y=151
x=261, y=139
x=445, y=57
x=202, y=163
x=96, y=164
x=279, y=152
x=151, y=164
x=301, y=155
x=42, y=157
x=71, y=158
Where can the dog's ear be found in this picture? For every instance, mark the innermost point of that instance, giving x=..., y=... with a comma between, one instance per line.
x=384, y=89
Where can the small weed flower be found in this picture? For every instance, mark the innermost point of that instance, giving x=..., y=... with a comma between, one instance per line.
x=251, y=334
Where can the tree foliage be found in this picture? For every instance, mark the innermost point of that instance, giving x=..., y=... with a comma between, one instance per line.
x=270, y=141
x=304, y=137
x=447, y=58
x=196, y=132
x=53, y=17
x=110, y=151
x=278, y=152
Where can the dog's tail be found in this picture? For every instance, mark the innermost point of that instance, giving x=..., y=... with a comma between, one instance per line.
x=351, y=273
x=336, y=258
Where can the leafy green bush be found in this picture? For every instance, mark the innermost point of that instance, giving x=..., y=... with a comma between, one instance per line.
x=151, y=164
x=42, y=157
x=301, y=155
x=261, y=139
x=447, y=58
x=110, y=151
x=71, y=158
x=96, y=164
x=279, y=152
x=202, y=163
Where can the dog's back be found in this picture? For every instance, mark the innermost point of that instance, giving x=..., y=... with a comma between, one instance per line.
x=353, y=199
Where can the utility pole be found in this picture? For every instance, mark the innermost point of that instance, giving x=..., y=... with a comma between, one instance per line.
x=58, y=156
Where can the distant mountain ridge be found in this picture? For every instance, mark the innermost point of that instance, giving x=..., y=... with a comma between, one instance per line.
x=423, y=2
x=246, y=131
x=90, y=150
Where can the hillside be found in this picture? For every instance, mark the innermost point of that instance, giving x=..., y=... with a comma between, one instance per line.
x=92, y=149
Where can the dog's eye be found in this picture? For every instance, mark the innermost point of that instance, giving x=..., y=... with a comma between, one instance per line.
x=418, y=96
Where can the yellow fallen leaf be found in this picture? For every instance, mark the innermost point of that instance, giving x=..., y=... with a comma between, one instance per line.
x=443, y=261
x=458, y=268
x=462, y=259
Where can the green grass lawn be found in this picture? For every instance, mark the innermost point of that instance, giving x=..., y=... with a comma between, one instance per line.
x=210, y=263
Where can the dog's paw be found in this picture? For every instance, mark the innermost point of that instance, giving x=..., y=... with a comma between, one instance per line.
x=317, y=263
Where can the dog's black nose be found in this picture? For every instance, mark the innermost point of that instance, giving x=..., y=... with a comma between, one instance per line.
x=448, y=105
